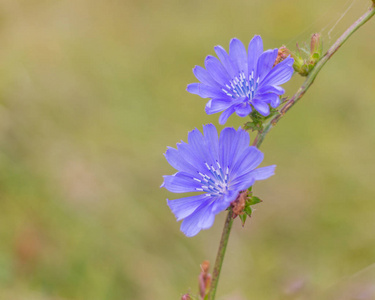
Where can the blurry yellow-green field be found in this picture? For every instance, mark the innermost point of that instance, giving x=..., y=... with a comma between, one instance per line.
x=92, y=92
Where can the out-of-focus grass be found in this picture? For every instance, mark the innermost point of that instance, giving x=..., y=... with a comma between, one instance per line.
x=92, y=92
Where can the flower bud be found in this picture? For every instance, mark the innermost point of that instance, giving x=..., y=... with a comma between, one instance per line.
x=302, y=64
x=299, y=64
x=204, y=279
x=316, y=45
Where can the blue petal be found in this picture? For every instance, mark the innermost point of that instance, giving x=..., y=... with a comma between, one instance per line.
x=177, y=161
x=211, y=136
x=184, y=207
x=216, y=70
x=202, y=218
x=205, y=91
x=265, y=89
x=194, y=137
x=225, y=60
x=243, y=110
x=270, y=98
x=243, y=139
x=263, y=173
x=225, y=115
x=180, y=183
x=261, y=106
x=249, y=159
x=242, y=182
x=217, y=105
x=226, y=139
x=265, y=63
x=203, y=76
x=237, y=53
x=200, y=147
x=280, y=74
x=223, y=202
x=255, y=49
x=207, y=217
x=187, y=152
x=247, y=179
x=232, y=143
x=275, y=101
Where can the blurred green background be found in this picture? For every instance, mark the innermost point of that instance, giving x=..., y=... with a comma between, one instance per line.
x=92, y=93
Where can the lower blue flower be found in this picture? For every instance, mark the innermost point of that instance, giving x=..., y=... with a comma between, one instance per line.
x=217, y=167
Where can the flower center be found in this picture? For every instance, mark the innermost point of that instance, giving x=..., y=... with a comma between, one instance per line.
x=215, y=182
x=240, y=86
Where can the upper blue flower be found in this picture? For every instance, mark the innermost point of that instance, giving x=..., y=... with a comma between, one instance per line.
x=220, y=168
x=241, y=81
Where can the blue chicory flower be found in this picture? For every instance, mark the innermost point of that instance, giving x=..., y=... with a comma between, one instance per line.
x=219, y=168
x=240, y=81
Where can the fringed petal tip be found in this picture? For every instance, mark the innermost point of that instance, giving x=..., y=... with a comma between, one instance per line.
x=264, y=173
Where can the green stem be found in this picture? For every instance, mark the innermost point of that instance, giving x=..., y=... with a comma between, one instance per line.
x=220, y=255
x=311, y=77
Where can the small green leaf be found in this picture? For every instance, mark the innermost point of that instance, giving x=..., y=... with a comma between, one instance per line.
x=251, y=126
x=247, y=210
x=243, y=219
x=254, y=200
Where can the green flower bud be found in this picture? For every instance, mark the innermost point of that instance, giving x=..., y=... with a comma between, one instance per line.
x=302, y=64
x=316, y=46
